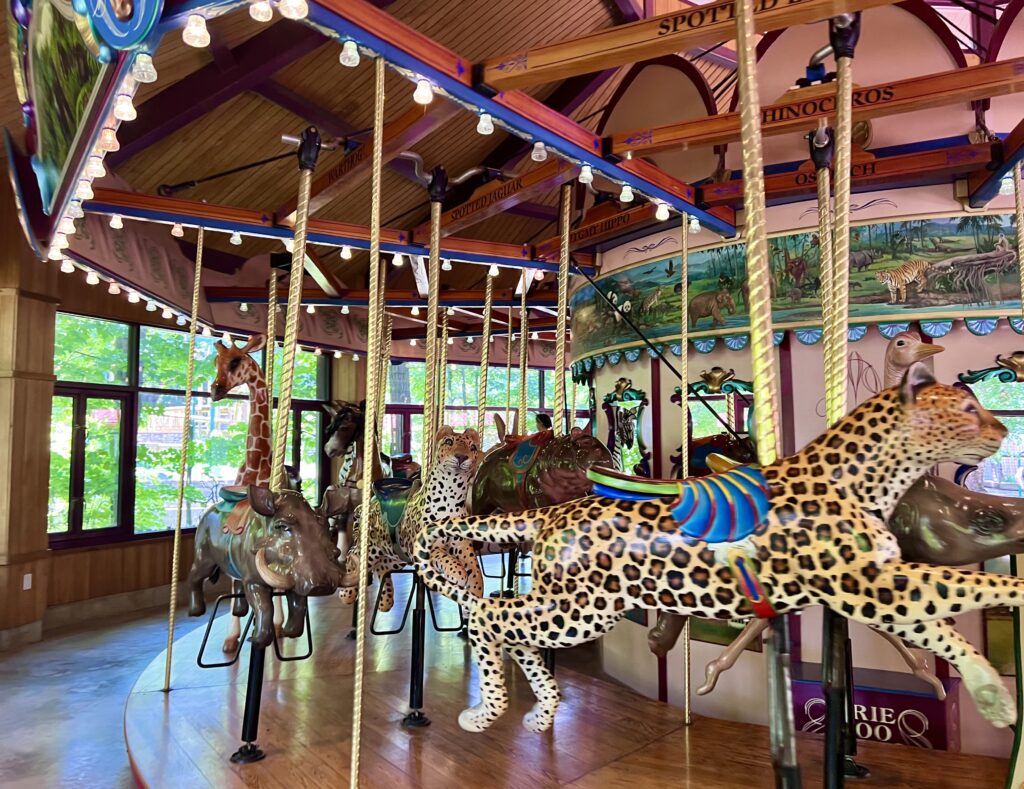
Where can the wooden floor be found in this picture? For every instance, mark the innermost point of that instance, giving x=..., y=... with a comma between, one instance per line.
x=605, y=736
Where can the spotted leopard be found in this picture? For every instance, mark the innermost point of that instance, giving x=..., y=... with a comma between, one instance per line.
x=822, y=540
x=444, y=496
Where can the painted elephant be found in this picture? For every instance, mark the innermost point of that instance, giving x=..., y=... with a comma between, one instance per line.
x=277, y=542
x=710, y=305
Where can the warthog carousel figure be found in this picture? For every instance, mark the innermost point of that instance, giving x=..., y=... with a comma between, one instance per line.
x=271, y=542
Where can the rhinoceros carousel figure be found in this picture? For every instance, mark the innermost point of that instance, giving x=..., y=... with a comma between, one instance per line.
x=278, y=542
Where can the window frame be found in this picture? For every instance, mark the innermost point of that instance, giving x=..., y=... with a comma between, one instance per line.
x=130, y=395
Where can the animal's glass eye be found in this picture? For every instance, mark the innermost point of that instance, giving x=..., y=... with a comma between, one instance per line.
x=970, y=408
x=448, y=442
x=900, y=343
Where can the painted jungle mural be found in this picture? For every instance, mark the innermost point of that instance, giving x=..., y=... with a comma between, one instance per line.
x=938, y=267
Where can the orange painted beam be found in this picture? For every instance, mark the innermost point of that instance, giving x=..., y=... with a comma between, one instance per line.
x=800, y=114
x=915, y=167
x=354, y=168
x=667, y=34
x=496, y=197
x=602, y=229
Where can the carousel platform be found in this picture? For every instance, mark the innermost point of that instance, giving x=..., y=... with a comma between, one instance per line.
x=605, y=734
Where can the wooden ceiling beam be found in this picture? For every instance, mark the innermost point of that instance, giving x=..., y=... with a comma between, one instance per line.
x=801, y=114
x=602, y=229
x=667, y=34
x=911, y=169
x=287, y=99
x=983, y=185
x=354, y=168
x=394, y=298
x=497, y=197
x=322, y=275
x=253, y=62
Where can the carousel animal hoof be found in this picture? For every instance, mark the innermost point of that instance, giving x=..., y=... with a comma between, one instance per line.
x=230, y=645
x=711, y=672
x=538, y=719
x=477, y=718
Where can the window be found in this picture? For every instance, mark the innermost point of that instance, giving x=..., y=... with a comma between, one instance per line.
x=406, y=392
x=116, y=422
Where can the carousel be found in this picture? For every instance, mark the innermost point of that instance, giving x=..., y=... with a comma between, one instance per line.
x=710, y=470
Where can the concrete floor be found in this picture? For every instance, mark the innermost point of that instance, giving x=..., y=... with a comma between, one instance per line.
x=62, y=702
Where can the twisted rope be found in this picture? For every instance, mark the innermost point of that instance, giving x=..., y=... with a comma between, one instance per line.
x=828, y=277
x=524, y=350
x=758, y=274
x=559, y=421
x=485, y=357
x=508, y=374
x=837, y=317
x=1018, y=193
x=186, y=434
x=684, y=343
x=385, y=363
x=442, y=373
x=268, y=354
x=369, y=441
x=430, y=425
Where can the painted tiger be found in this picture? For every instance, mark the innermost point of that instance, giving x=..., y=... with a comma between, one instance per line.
x=897, y=279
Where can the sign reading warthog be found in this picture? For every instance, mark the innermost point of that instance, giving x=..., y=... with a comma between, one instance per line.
x=284, y=546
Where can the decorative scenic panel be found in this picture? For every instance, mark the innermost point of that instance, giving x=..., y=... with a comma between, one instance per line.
x=961, y=266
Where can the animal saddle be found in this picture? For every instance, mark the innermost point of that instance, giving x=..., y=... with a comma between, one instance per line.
x=233, y=508
x=721, y=508
x=392, y=495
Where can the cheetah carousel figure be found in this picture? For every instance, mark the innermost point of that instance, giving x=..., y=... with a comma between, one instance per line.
x=806, y=530
x=393, y=525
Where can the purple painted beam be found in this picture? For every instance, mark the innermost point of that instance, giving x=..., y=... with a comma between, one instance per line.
x=254, y=62
x=535, y=211
x=288, y=99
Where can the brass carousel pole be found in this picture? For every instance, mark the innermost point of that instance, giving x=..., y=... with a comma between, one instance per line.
x=684, y=447
x=558, y=423
x=442, y=373
x=438, y=189
x=485, y=357
x=271, y=346
x=186, y=433
x=508, y=375
x=524, y=353
x=783, y=741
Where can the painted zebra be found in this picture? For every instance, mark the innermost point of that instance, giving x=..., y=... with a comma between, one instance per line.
x=897, y=279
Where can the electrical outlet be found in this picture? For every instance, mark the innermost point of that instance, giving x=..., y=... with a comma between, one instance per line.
x=26, y=582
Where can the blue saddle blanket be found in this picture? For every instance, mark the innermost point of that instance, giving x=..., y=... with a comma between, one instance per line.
x=723, y=507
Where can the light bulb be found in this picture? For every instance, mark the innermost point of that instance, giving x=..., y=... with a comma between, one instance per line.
x=626, y=195
x=226, y=338
x=412, y=342
x=344, y=309
x=108, y=140
x=167, y=314
x=469, y=341
x=124, y=110
x=1006, y=185
x=151, y=306
x=539, y=152
x=236, y=239
x=355, y=357
x=133, y=297
x=143, y=69
x=492, y=271
x=534, y=336
x=261, y=10
x=398, y=260
x=450, y=311
x=485, y=125
x=492, y=338
x=116, y=221
x=195, y=33
x=424, y=94
x=54, y=253
x=337, y=354
x=84, y=190
x=538, y=275
x=67, y=226
x=310, y=309
x=207, y=331
x=60, y=241
x=92, y=278
x=177, y=230
x=586, y=175
x=661, y=214
x=114, y=289
x=181, y=320
x=75, y=209
x=67, y=267
x=694, y=224
x=317, y=352
x=289, y=244
x=349, y=54
x=446, y=265
x=346, y=252
x=243, y=307
x=94, y=167
x=293, y=9
x=415, y=310
x=451, y=341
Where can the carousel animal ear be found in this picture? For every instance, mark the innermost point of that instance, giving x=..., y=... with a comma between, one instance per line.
x=331, y=409
x=916, y=378
x=499, y=423
x=472, y=435
x=446, y=431
x=221, y=347
x=255, y=344
x=261, y=500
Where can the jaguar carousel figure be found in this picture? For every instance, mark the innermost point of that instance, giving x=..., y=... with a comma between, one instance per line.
x=806, y=530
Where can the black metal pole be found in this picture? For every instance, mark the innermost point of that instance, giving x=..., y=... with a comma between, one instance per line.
x=250, y=751
x=416, y=718
x=510, y=582
x=355, y=619
x=851, y=769
x=833, y=684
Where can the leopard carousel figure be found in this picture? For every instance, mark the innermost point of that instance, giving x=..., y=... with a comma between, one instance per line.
x=806, y=530
x=392, y=530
